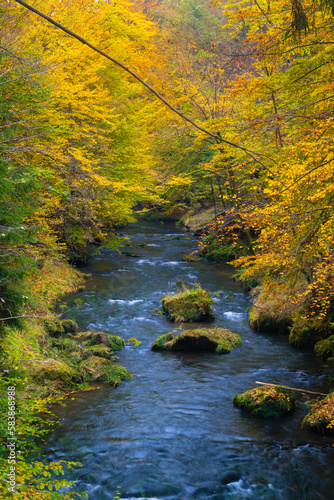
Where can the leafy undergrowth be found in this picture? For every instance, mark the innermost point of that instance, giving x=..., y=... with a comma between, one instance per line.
x=216, y=340
x=266, y=401
x=44, y=362
x=188, y=305
x=24, y=476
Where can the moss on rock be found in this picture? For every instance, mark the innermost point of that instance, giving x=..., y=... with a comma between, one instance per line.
x=321, y=416
x=100, y=350
x=101, y=369
x=325, y=348
x=266, y=401
x=69, y=326
x=188, y=305
x=116, y=343
x=192, y=257
x=216, y=340
x=92, y=338
x=270, y=312
x=307, y=332
x=57, y=327
x=161, y=343
x=52, y=369
x=134, y=341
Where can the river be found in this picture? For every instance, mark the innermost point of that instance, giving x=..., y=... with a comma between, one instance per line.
x=172, y=432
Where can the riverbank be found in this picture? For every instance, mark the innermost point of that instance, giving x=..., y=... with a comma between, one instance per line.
x=44, y=361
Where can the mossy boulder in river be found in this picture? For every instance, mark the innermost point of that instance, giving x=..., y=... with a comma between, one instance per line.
x=216, y=340
x=266, y=401
x=321, y=416
x=162, y=342
x=192, y=257
x=134, y=341
x=100, y=369
x=188, y=305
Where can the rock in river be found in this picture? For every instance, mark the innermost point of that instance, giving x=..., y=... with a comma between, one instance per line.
x=216, y=340
x=266, y=401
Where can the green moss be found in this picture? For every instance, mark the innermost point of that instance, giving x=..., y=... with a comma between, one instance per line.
x=100, y=350
x=271, y=311
x=92, y=338
x=189, y=305
x=321, y=415
x=116, y=343
x=65, y=344
x=307, y=332
x=192, y=257
x=56, y=327
x=214, y=251
x=134, y=341
x=161, y=342
x=325, y=348
x=131, y=254
x=216, y=340
x=266, y=401
x=100, y=369
x=52, y=369
x=69, y=325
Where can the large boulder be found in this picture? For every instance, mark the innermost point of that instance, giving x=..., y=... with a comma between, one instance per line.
x=101, y=369
x=266, y=401
x=188, y=305
x=216, y=340
x=321, y=416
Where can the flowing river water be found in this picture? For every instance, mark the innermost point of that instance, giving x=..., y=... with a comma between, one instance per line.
x=172, y=431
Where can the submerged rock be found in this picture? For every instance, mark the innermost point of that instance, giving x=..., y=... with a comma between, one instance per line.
x=131, y=254
x=216, y=340
x=189, y=305
x=321, y=416
x=266, y=401
x=100, y=369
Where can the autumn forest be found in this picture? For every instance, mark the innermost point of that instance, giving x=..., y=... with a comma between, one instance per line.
x=215, y=115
